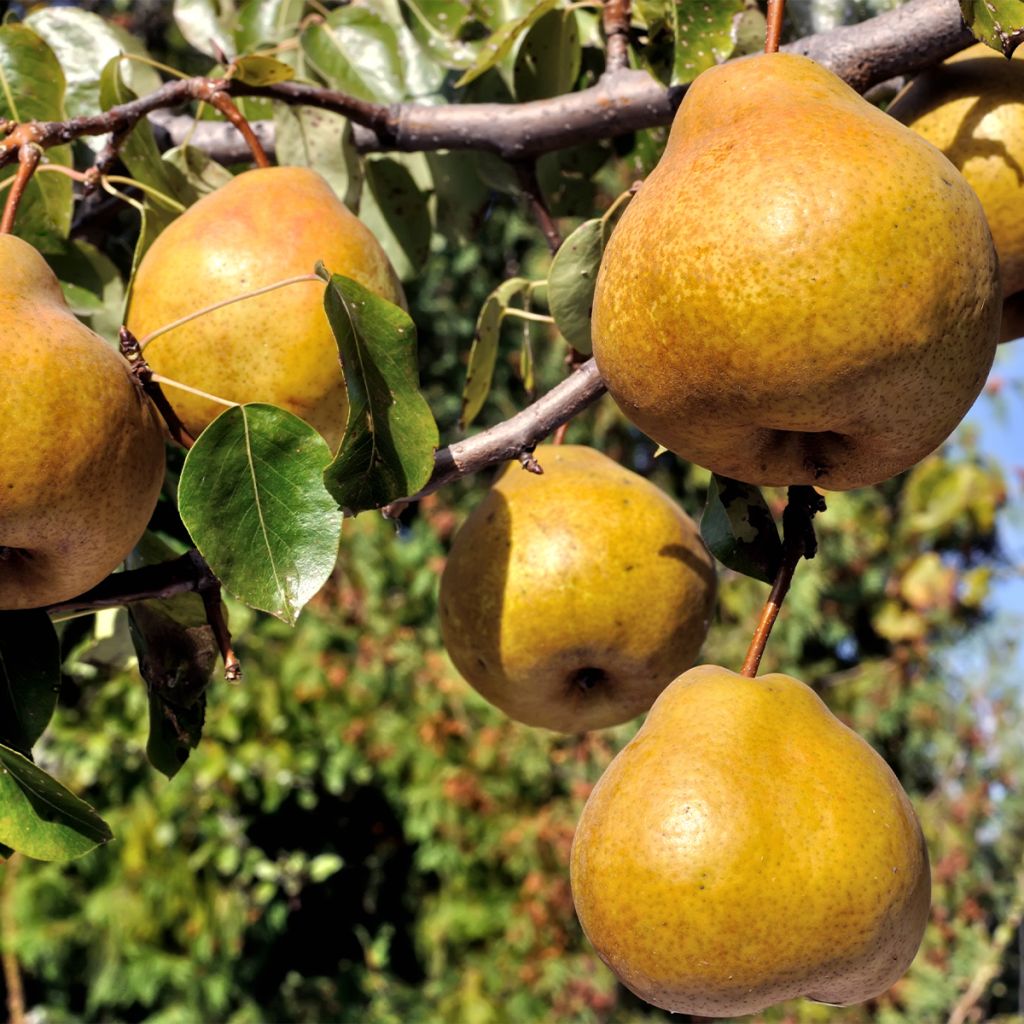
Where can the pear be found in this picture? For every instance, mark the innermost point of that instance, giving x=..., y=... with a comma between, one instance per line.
x=571, y=598
x=262, y=227
x=803, y=291
x=746, y=848
x=972, y=108
x=81, y=449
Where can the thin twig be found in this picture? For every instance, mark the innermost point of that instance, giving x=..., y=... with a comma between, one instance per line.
x=28, y=160
x=9, y=946
x=526, y=171
x=774, y=34
x=798, y=542
x=615, y=22
x=209, y=591
x=510, y=439
x=142, y=372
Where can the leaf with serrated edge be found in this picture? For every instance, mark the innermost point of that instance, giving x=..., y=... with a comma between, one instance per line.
x=41, y=818
x=484, y=350
x=29, y=677
x=388, y=448
x=738, y=529
x=251, y=495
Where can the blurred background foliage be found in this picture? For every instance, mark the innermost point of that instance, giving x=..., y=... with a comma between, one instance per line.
x=359, y=837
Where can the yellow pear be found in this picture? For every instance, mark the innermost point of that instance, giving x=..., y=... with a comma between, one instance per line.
x=746, y=848
x=972, y=108
x=570, y=599
x=81, y=449
x=803, y=291
x=264, y=226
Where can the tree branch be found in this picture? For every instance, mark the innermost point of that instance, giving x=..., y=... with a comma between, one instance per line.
x=902, y=41
x=615, y=22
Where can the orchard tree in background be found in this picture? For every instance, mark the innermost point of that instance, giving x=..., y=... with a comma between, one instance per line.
x=206, y=438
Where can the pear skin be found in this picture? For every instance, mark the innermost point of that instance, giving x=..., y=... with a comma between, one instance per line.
x=571, y=598
x=803, y=291
x=81, y=450
x=746, y=848
x=972, y=108
x=262, y=227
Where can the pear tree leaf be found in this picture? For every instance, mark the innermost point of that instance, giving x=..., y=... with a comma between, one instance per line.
x=32, y=89
x=29, y=677
x=548, y=57
x=266, y=22
x=997, y=23
x=139, y=150
x=92, y=286
x=738, y=528
x=84, y=43
x=421, y=73
x=174, y=732
x=388, y=448
x=571, y=282
x=498, y=46
x=201, y=172
x=396, y=210
x=252, y=498
x=259, y=70
x=704, y=36
x=484, y=351
x=206, y=25
x=357, y=51
x=41, y=818
x=437, y=24
x=321, y=139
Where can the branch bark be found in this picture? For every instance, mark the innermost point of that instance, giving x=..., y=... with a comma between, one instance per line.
x=903, y=41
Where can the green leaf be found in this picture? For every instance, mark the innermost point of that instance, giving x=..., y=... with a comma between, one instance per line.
x=92, y=286
x=174, y=732
x=258, y=70
x=500, y=43
x=139, y=151
x=484, y=351
x=571, y=282
x=704, y=36
x=357, y=51
x=388, y=448
x=42, y=819
x=29, y=677
x=266, y=22
x=206, y=25
x=998, y=23
x=321, y=139
x=32, y=89
x=201, y=172
x=396, y=210
x=252, y=497
x=738, y=528
x=548, y=59
x=436, y=24
x=84, y=43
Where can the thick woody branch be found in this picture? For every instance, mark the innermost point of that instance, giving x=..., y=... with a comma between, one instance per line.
x=902, y=41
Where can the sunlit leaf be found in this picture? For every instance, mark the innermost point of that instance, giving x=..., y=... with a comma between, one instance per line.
x=41, y=818
x=500, y=43
x=251, y=495
x=259, y=70
x=388, y=448
x=571, y=282
x=548, y=58
x=998, y=23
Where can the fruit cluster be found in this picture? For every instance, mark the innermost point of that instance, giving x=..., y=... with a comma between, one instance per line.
x=772, y=307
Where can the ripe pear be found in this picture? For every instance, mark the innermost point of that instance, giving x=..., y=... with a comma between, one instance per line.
x=570, y=599
x=803, y=291
x=262, y=227
x=972, y=108
x=81, y=449
x=746, y=848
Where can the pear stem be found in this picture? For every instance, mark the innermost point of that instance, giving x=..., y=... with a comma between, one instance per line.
x=144, y=375
x=615, y=22
x=774, y=33
x=223, y=102
x=28, y=160
x=143, y=342
x=799, y=542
